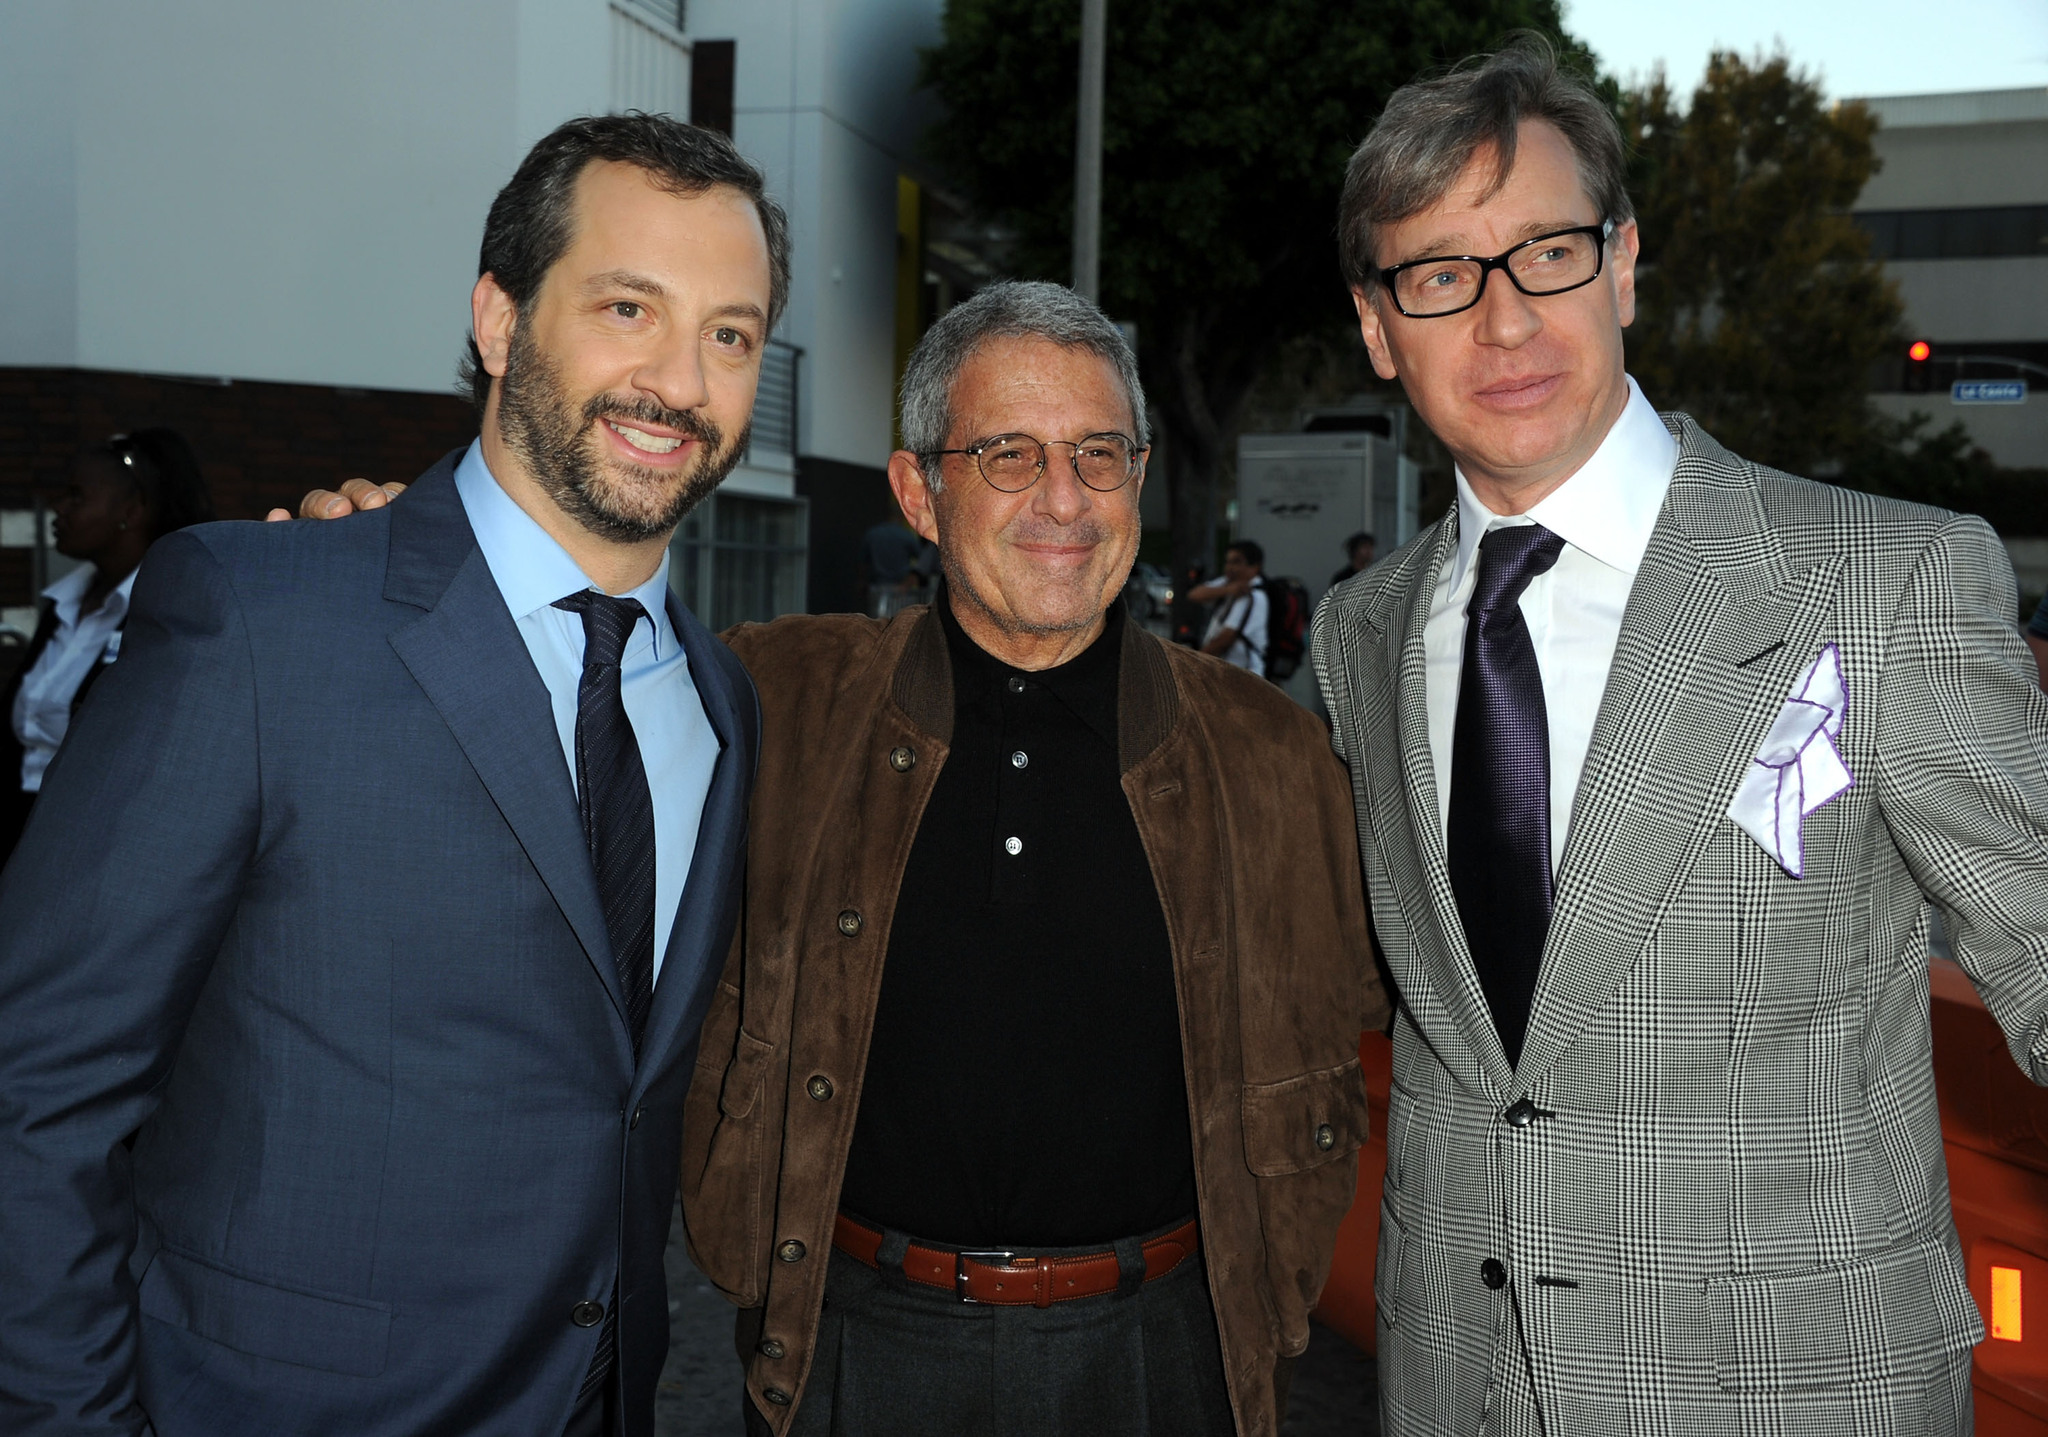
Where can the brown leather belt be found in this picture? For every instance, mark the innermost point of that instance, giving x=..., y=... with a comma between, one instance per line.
x=1006, y=1280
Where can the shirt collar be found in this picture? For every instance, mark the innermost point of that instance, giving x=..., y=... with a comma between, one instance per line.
x=68, y=594
x=532, y=570
x=1086, y=684
x=1608, y=509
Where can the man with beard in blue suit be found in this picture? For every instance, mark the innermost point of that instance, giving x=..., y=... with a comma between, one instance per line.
x=277, y=1158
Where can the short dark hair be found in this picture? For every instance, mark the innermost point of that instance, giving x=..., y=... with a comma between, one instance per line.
x=1431, y=129
x=1249, y=550
x=167, y=477
x=528, y=228
x=1361, y=537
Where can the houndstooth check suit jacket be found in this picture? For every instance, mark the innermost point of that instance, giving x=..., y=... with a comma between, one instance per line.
x=1729, y=1213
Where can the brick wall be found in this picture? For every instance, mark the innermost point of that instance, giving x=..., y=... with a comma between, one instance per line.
x=260, y=444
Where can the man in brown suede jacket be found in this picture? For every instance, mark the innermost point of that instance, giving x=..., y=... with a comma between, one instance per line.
x=1053, y=940
x=1029, y=1099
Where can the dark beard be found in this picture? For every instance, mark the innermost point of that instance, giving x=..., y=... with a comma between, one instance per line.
x=559, y=447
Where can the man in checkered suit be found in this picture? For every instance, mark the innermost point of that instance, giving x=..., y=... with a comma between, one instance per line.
x=1659, y=759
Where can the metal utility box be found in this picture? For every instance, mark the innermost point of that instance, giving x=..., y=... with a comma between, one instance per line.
x=1300, y=496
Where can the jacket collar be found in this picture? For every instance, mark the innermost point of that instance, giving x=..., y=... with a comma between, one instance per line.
x=1147, y=702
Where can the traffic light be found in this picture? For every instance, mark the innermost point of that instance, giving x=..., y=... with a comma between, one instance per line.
x=1919, y=351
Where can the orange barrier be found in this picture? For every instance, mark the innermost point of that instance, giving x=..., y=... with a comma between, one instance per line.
x=1994, y=1127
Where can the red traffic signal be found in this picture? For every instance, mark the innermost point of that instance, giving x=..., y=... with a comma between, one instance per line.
x=1919, y=351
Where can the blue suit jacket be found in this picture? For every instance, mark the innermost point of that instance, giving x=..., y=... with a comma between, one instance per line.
x=306, y=901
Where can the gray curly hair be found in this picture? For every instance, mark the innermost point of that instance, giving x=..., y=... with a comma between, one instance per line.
x=1013, y=309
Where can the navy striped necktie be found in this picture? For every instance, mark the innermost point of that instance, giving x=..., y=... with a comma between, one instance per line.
x=618, y=825
x=1498, y=837
x=612, y=792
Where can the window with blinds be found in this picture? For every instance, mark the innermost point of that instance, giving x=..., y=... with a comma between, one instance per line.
x=650, y=61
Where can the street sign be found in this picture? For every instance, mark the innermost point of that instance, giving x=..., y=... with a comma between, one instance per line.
x=1988, y=391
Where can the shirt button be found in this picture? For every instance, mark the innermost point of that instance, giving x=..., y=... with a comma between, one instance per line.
x=771, y=1348
x=849, y=923
x=1326, y=1137
x=1020, y=759
x=1016, y=684
x=776, y=1396
x=819, y=1087
x=1493, y=1274
x=1013, y=846
x=791, y=1251
x=902, y=759
x=587, y=1314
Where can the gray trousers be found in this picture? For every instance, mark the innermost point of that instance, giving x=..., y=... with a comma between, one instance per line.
x=896, y=1359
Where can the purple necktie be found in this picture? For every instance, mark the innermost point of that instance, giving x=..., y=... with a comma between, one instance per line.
x=1499, y=831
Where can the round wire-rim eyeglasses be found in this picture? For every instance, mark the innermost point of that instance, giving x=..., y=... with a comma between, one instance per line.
x=1504, y=262
x=1012, y=463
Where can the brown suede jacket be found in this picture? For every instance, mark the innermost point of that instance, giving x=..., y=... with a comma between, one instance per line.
x=1246, y=817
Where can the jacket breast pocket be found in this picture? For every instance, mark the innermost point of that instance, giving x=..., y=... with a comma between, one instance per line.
x=1301, y=1123
x=1828, y=1329
x=296, y=1325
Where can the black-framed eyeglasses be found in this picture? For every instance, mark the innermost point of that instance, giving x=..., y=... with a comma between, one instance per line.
x=1013, y=462
x=1556, y=263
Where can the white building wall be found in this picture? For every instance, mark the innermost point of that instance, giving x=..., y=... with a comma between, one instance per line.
x=825, y=102
x=263, y=191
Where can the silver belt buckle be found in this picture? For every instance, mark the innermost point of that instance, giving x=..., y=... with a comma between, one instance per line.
x=987, y=1258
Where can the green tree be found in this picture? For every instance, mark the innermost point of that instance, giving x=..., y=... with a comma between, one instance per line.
x=1760, y=310
x=1226, y=129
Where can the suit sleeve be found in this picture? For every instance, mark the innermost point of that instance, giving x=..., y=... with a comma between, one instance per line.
x=1963, y=773
x=111, y=913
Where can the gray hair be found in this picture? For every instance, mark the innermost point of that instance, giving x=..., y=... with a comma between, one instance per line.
x=1012, y=309
x=1431, y=129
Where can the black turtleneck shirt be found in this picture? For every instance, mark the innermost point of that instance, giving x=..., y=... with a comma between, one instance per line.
x=1024, y=1083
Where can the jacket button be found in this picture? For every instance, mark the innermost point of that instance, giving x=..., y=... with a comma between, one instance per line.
x=1493, y=1274
x=634, y=1121
x=1520, y=1115
x=587, y=1314
x=771, y=1348
x=819, y=1087
x=777, y=1396
x=791, y=1251
x=849, y=923
x=901, y=759
x=1326, y=1137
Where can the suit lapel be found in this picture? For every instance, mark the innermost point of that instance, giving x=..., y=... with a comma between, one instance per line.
x=1452, y=973
x=467, y=655
x=1386, y=677
x=703, y=920
x=1717, y=627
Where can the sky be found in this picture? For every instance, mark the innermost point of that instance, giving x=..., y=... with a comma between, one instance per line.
x=1860, y=47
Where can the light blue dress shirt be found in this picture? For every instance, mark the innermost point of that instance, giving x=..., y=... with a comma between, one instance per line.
x=677, y=744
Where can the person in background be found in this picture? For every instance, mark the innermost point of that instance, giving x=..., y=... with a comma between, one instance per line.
x=1359, y=550
x=1237, y=630
x=896, y=567
x=124, y=495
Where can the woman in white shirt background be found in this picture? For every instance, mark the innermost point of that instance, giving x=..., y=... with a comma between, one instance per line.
x=124, y=494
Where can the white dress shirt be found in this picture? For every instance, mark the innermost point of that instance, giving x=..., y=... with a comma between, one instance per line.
x=42, y=707
x=1604, y=513
x=677, y=745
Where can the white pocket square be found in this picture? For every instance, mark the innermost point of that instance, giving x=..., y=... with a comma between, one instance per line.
x=1798, y=768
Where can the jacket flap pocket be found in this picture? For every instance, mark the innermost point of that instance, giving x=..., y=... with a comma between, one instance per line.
x=309, y=1329
x=1808, y=1331
x=1302, y=1123
x=742, y=1086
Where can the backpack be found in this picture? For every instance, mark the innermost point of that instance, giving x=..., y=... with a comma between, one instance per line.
x=1286, y=627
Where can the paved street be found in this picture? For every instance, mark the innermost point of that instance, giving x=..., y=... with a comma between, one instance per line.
x=700, y=1387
